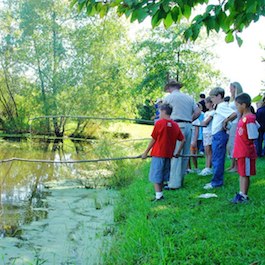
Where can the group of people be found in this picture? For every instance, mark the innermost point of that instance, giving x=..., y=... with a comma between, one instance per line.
x=172, y=138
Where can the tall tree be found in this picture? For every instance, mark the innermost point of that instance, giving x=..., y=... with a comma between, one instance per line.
x=42, y=36
x=164, y=54
x=9, y=74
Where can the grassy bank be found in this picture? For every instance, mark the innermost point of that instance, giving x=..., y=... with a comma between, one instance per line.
x=183, y=229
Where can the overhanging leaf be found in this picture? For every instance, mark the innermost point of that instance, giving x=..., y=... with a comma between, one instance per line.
x=168, y=21
x=175, y=14
x=73, y=2
x=188, y=33
x=229, y=37
x=257, y=98
x=139, y=14
x=155, y=19
x=187, y=11
x=239, y=40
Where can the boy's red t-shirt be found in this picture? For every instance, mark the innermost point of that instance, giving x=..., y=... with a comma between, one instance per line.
x=244, y=147
x=165, y=133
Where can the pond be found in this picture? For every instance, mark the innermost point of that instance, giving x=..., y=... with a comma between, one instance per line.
x=54, y=213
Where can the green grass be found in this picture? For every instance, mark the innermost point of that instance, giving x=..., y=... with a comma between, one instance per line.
x=183, y=229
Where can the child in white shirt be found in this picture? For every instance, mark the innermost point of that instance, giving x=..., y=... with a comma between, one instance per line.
x=207, y=137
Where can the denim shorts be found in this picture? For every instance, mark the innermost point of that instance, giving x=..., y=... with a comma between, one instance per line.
x=159, y=170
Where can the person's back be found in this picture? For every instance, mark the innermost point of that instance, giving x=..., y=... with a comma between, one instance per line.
x=184, y=112
x=164, y=136
x=183, y=106
x=166, y=132
x=261, y=117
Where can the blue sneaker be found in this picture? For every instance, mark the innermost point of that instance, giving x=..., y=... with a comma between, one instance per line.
x=239, y=199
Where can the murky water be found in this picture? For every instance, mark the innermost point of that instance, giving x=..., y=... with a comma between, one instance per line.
x=47, y=213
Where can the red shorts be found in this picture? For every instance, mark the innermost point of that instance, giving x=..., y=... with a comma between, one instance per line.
x=246, y=166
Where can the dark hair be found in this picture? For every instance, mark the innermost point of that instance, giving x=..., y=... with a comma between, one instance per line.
x=226, y=99
x=202, y=95
x=202, y=103
x=243, y=98
x=167, y=107
x=217, y=91
x=174, y=84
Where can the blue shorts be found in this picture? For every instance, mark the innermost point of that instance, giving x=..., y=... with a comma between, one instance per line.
x=159, y=170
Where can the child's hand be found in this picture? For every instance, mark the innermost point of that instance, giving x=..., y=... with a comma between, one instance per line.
x=144, y=156
x=193, y=144
x=226, y=125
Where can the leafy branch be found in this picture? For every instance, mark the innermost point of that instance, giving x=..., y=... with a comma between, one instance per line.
x=229, y=16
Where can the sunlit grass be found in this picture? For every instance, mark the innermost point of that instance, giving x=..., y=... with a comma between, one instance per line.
x=184, y=229
x=135, y=131
x=116, y=129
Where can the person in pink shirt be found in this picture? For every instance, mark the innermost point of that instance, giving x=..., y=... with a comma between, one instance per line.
x=164, y=137
x=244, y=149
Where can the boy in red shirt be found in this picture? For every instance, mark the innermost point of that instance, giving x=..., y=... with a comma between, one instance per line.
x=164, y=136
x=244, y=149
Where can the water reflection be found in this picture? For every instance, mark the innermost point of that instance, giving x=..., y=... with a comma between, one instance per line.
x=22, y=192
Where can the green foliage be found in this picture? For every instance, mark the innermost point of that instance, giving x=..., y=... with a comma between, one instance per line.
x=44, y=44
x=231, y=16
x=54, y=62
x=147, y=110
x=164, y=54
x=105, y=69
x=183, y=229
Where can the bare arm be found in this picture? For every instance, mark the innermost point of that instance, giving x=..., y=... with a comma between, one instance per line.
x=195, y=138
x=206, y=122
x=149, y=147
x=230, y=118
x=196, y=114
x=180, y=148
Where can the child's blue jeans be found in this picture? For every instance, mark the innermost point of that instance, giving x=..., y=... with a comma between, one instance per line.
x=218, y=159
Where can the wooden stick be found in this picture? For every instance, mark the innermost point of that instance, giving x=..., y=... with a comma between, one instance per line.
x=68, y=161
x=12, y=159
x=199, y=125
x=93, y=118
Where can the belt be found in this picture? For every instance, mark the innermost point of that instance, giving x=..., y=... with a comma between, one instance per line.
x=182, y=121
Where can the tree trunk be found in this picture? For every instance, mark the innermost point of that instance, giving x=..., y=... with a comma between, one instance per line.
x=43, y=93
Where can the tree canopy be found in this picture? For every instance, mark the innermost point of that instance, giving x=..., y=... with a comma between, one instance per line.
x=229, y=16
x=55, y=62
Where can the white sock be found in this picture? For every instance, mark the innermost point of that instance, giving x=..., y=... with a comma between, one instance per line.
x=244, y=195
x=159, y=195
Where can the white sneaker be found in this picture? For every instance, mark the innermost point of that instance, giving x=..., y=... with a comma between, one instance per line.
x=206, y=171
x=197, y=170
x=208, y=186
